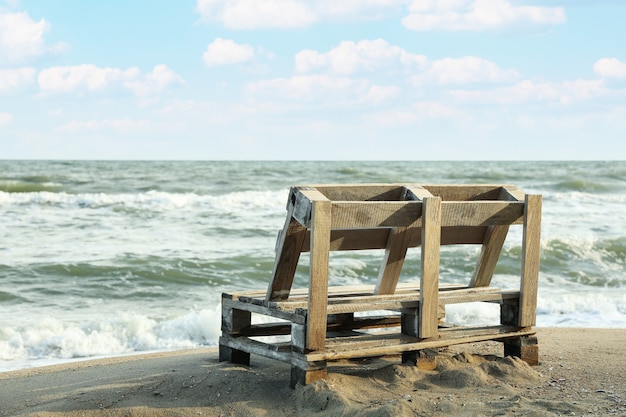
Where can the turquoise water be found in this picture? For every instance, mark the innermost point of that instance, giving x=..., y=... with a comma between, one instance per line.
x=107, y=258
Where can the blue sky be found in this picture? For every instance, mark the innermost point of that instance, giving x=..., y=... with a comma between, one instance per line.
x=314, y=80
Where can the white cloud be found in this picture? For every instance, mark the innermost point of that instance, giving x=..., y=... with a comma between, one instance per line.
x=364, y=56
x=378, y=94
x=532, y=92
x=86, y=76
x=310, y=87
x=21, y=37
x=11, y=79
x=610, y=68
x=357, y=8
x=154, y=82
x=227, y=52
x=117, y=125
x=465, y=70
x=92, y=78
x=255, y=14
x=477, y=15
x=418, y=112
x=5, y=118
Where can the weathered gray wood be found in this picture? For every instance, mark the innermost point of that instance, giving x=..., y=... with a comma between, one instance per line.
x=429, y=280
x=481, y=213
x=288, y=249
x=465, y=192
x=318, y=279
x=384, y=344
x=377, y=238
x=395, y=217
x=531, y=248
x=489, y=255
x=393, y=260
x=370, y=214
x=526, y=348
x=260, y=309
x=362, y=192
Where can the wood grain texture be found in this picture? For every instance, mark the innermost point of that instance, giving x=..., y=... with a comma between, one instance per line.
x=429, y=281
x=318, y=279
x=531, y=248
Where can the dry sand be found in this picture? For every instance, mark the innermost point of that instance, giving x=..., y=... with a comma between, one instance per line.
x=582, y=373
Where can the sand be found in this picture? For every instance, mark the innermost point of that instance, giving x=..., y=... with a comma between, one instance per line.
x=582, y=372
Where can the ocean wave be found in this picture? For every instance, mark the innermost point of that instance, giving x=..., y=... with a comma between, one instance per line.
x=237, y=201
x=590, y=262
x=54, y=338
x=29, y=187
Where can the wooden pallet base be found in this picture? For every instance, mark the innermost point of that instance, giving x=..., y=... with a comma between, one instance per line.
x=350, y=337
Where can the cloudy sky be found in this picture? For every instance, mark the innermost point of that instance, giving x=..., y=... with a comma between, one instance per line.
x=313, y=79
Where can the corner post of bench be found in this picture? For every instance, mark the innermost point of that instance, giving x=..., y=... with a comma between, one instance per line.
x=318, y=278
x=531, y=246
x=234, y=321
x=429, y=281
x=288, y=248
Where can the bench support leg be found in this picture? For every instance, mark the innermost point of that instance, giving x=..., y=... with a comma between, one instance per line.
x=234, y=356
x=425, y=359
x=526, y=348
x=314, y=371
x=233, y=321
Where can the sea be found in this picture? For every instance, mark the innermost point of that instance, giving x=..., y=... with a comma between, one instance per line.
x=108, y=258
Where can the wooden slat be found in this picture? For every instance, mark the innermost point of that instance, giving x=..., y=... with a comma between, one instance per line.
x=511, y=193
x=370, y=214
x=367, y=214
x=362, y=192
x=393, y=260
x=531, y=247
x=429, y=280
x=465, y=192
x=489, y=255
x=416, y=192
x=384, y=344
x=376, y=238
x=481, y=213
x=318, y=280
x=398, y=242
x=289, y=247
x=259, y=309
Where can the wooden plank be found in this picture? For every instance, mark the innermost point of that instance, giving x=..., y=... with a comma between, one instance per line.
x=386, y=344
x=481, y=213
x=376, y=238
x=281, y=352
x=511, y=193
x=429, y=280
x=288, y=250
x=471, y=297
x=464, y=192
x=362, y=192
x=495, y=237
x=253, y=308
x=318, y=279
x=393, y=260
x=300, y=205
x=370, y=214
x=531, y=247
x=398, y=301
x=489, y=255
x=416, y=192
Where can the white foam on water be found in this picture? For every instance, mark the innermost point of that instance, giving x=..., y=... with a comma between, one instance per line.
x=53, y=340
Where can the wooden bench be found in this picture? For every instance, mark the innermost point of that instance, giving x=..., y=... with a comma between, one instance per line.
x=318, y=323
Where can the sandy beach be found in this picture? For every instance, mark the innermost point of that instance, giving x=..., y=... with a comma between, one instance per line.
x=581, y=373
